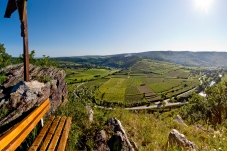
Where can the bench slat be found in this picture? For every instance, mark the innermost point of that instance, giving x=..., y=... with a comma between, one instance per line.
x=61, y=146
x=57, y=134
x=50, y=134
x=38, y=140
x=15, y=131
x=20, y=138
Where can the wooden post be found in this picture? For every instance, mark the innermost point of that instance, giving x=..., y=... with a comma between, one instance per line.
x=22, y=9
x=25, y=46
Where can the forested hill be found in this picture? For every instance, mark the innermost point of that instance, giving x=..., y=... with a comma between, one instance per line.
x=116, y=61
x=180, y=57
x=188, y=58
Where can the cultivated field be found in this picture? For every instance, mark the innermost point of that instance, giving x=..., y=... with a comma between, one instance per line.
x=146, y=81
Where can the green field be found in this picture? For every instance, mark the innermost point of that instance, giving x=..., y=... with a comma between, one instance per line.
x=76, y=76
x=145, y=81
x=87, y=74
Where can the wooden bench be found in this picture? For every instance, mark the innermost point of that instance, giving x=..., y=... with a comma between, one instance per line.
x=53, y=134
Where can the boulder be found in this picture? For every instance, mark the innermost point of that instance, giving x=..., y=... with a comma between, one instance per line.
x=177, y=139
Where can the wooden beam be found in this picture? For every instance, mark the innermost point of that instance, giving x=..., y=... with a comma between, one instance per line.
x=57, y=134
x=41, y=135
x=65, y=134
x=50, y=134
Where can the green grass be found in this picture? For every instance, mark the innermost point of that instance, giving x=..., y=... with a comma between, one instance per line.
x=161, y=77
x=170, y=84
x=178, y=74
x=79, y=75
x=147, y=66
x=149, y=131
x=94, y=83
x=132, y=82
x=114, y=94
x=132, y=90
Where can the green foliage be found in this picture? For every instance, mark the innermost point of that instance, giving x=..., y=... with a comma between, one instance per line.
x=46, y=62
x=2, y=77
x=108, y=61
x=43, y=79
x=82, y=131
x=5, y=59
x=43, y=62
x=3, y=111
x=196, y=110
x=212, y=109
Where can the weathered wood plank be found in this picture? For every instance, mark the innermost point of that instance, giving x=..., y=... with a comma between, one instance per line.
x=50, y=134
x=41, y=135
x=24, y=133
x=65, y=134
x=57, y=134
x=16, y=130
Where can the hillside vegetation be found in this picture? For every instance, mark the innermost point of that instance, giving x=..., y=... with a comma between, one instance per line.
x=145, y=82
x=187, y=58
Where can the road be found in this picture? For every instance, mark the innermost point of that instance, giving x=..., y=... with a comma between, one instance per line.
x=159, y=105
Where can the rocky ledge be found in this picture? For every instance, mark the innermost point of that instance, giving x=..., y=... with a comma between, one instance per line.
x=18, y=98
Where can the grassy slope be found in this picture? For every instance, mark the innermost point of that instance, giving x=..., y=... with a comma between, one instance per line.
x=149, y=131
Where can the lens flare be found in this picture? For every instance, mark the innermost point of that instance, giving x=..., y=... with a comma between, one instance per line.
x=203, y=4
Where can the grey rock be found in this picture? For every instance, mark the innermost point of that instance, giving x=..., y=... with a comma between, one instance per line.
x=90, y=113
x=200, y=127
x=23, y=102
x=177, y=139
x=100, y=141
x=119, y=140
x=24, y=96
x=179, y=120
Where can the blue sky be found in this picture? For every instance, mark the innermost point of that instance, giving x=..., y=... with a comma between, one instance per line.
x=102, y=27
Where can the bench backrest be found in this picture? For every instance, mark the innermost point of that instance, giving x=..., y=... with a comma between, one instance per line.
x=14, y=137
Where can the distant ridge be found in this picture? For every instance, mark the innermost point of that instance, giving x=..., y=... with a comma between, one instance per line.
x=187, y=58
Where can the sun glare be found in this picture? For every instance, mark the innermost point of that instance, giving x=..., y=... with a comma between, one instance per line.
x=203, y=4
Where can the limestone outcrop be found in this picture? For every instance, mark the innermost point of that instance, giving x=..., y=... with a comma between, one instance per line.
x=179, y=120
x=18, y=97
x=118, y=141
x=177, y=139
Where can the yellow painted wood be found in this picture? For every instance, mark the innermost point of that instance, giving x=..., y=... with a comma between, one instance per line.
x=65, y=134
x=16, y=130
x=23, y=134
x=50, y=134
x=41, y=135
x=57, y=134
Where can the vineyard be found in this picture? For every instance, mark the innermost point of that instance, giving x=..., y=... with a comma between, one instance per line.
x=145, y=81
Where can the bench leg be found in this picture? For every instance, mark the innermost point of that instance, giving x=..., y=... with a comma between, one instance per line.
x=41, y=122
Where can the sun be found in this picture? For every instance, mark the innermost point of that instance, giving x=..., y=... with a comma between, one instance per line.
x=203, y=4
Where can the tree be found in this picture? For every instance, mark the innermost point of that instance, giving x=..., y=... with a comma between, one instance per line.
x=212, y=109
x=217, y=99
x=44, y=62
x=5, y=59
x=197, y=109
x=32, y=59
